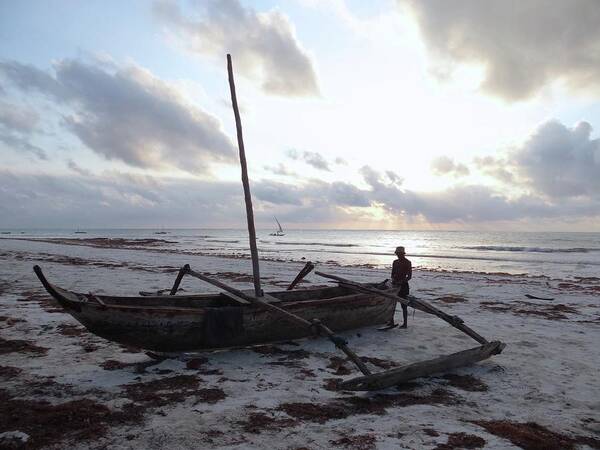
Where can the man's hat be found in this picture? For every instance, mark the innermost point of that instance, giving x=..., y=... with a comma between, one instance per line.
x=400, y=251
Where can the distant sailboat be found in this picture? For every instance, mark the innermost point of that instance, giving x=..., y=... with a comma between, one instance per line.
x=279, y=232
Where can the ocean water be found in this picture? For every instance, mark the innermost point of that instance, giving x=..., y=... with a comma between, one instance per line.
x=557, y=255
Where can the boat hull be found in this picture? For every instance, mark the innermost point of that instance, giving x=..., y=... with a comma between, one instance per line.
x=203, y=322
x=172, y=332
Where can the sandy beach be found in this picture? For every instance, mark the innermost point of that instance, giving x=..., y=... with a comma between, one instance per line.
x=63, y=387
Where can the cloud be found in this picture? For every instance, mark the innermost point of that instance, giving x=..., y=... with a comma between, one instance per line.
x=17, y=124
x=560, y=162
x=313, y=192
x=313, y=159
x=17, y=118
x=394, y=177
x=116, y=199
x=77, y=169
x=15, y=142
x=280, y=169
x=264, y=46
x=277, y=193
x=316, y=160
x=555, y=161
x=126, y=200
x=522, y=45
x=470, y=204
x=128, y=114
x=443, y=165
x=495, y=167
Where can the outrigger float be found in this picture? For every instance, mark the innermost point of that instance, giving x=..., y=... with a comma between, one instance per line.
x=233, y=318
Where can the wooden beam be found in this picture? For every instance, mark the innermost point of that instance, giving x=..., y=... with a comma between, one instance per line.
x=265, y=297
x=414, y=302
x=308, y=267
x=315, y=324
x=245, y=182
x=394, y=377
x=180, y=275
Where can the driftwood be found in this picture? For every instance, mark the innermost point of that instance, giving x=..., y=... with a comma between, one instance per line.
x=245, y=182
x=412, y=301
x=537, y=298
x=308, y=268
x=394, y=377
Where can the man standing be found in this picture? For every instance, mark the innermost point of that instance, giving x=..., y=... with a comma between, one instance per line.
x=401, y=273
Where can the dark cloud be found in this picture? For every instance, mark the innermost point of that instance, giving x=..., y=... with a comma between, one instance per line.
x=27, y=78
x=555, y=161
x=394, y=177
x=443, y=165
x=313, y=159
x=469, y=204
x=312, y=192
x=128, y=114
x=115, y=200
x=522, y=45
x=263, y=45
x=277, y=193
x=340, y=161
x=316, y=160
x=85, y=199
x=558, y=161
x=77, y=169
x=337, y=193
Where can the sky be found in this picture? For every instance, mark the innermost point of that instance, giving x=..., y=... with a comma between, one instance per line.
x=398, y=114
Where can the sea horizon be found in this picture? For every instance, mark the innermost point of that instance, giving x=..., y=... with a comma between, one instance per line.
x=564, y=255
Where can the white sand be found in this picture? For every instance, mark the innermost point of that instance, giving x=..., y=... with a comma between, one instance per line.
x=547, y=373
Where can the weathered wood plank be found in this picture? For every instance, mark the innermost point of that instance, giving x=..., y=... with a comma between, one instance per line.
x=394, y=377
x=265, y=297
x=235, y=298
x=308, y=267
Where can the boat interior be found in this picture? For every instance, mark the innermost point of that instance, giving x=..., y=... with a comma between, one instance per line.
x=222, y=299
x=193, y=301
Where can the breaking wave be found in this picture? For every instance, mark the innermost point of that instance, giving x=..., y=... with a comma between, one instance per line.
x=315, y=244
x=500, y=248
x=223, y=241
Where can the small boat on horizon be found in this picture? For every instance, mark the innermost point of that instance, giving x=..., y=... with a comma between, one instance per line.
x=279, y=231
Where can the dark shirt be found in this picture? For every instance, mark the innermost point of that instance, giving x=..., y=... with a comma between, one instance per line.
x=401, y=271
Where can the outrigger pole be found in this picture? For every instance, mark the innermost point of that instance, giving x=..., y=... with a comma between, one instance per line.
x=247, y=196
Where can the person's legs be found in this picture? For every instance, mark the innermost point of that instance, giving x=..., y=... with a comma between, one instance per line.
x=404, y=315
x=404, y=291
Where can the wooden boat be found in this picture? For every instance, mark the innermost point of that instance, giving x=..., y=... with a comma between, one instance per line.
x=233, y=318
x=179, y=323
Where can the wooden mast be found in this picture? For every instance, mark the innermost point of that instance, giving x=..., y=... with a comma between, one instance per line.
x=246, y=183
